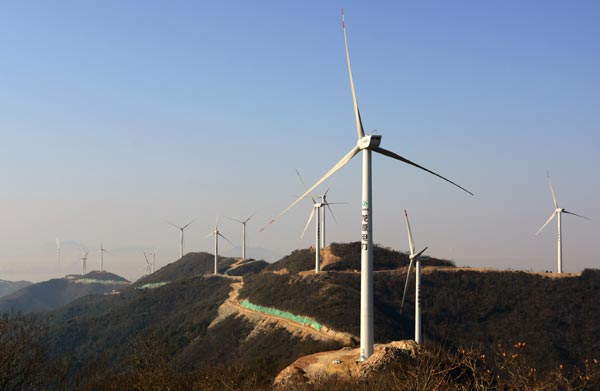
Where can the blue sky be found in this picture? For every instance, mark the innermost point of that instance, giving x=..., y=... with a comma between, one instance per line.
x=117, y=116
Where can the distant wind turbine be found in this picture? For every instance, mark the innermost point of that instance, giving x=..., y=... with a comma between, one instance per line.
x=181, y=240
x=216, y=234
x=323, y=204
x=243, y=223
x=416, y=259
x=557, y=212
x=154, y=260
x=366, y=144
x=83, y=262
x=102, y=251
x=148, y=264
x=58, y=252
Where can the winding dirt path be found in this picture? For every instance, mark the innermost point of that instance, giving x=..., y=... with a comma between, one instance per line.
x=264, y=321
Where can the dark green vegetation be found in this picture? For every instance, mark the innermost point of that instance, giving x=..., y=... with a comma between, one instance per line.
x=8, y=287
x=52, y=294
x=160, y=338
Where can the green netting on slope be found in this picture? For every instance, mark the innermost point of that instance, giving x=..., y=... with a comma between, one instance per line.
x=283, y=314
x=153, y=285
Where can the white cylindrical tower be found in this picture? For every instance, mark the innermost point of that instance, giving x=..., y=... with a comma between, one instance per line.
x=318, y=239
x=559, y=244
x=366, y=262
x=418, y=301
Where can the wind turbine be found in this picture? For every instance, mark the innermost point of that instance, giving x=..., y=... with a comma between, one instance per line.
x=216, y=234
x=557, y=212
x=154, y=260
x=366, y=144
x=181, y=241
x=83, y=259
x=414, y=258
x=148, y=264
x=102, y=251
x=243, y=223
x=321, y=217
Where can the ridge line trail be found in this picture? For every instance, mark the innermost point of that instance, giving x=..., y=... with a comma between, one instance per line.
x=231, y=305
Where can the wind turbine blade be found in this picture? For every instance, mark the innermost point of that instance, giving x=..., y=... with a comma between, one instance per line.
x=251, y=216
x=411, y=242
x=546, y=223
x=338, y=165
x=236, y=220
x=305, y=187
x=359, y=126
x=406, y=283
x=230, y=242
x=331, y=211
x=551, y=190
x=575, y=214
x=174, y=225
x=146, y=256
x=420, y=253
x=185, y=226
x=312, y=213
x=402, y=159
x=209, y=235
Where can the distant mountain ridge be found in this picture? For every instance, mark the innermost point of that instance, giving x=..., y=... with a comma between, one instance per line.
x=55, y=293
x=8, y=287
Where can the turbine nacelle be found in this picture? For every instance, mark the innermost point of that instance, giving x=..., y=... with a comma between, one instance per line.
x=560, y=210
x=369, y=142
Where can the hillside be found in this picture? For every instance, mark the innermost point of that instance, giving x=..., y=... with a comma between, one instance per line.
x=8, y=287
x=270, y=315
x=52, y=294
x=190, y=265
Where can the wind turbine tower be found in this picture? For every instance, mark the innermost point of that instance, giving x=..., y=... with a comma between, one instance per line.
x=83, y=262
x=557, y=212
x=416, y=259
x=148, y=264
x=216, y=234
x=243, y=223
x=181, y=237
x=102, y=251
x=366, y=144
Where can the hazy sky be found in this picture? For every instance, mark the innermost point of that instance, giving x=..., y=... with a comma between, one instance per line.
x=118, y=115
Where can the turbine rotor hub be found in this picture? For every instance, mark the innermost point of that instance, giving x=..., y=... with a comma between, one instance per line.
x=370, y=141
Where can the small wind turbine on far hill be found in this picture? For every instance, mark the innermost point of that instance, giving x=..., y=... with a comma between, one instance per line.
x=102, y=251
x=243, y=223
x=148, y=264
x=181, y=237
x=416, y=259
x=154, y=260
x=557, y=212
x=216, y=234
x=84, y=258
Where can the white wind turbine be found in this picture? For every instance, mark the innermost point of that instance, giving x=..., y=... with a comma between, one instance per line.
x=181, y=238
x=216, y=234
x=148, y=264
x=366, y=144
x=102, y=251
x=416, y=259
x=320, y=215
x=243, y=223
x=557, y=212
x=154, y=260
x=83, y=262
